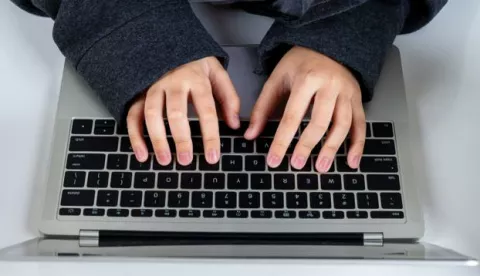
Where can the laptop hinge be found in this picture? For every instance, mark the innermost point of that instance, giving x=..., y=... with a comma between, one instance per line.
x=373, y=239
x=89, y=238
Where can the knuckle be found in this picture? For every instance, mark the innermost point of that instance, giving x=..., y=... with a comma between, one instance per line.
x=181, y=143
x=343, y=123
x=280, y=146
x=331, y=148
x=176, y=114
x=151, y=112
x=318, y=126
x=289, y=119
x=305, y=146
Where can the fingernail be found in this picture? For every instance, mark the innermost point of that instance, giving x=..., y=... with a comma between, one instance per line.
x=273, y=160
x=184, y=158
x=164, y=158
x=298, y=162
x=140, y=154
x=324, y=164
x=249, y=132
x=212, y=156
x=356, y=161
x=236, y=120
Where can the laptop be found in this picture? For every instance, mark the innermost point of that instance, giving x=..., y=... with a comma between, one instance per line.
x=100, y=203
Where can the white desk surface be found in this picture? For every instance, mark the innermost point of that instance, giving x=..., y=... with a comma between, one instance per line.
x=441, y=64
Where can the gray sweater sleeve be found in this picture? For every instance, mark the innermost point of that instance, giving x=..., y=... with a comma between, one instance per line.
x=122, y=47
x=357, y=38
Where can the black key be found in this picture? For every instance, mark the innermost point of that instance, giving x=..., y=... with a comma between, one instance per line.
x=191, y=181
x=342, y=165
x=86, y=161
x=166, y=213
x=309, y=214
x=237, y=214
x=225, y=145
x=80, y=126
x=202, y=199
x=69, y=211
x=171, y=145
x=255, y=163
x=177, y=199
x=155, y=199
x=284, y=181
x=320, y=201
x=93, y=143
x=263, y=144
x=367, y=200
x=213, y=214
x=125, y=145
x=105, y=123
x=357, y=214
x=142, y=213
x=369, y=131
x=260, y=181
x=391, y=200
x=104, y=130
x=387, y=214
x=97, y=179
x=333, y=214
x=344, y=200
x=189, y=213
x=307, y=181
x=237, y=181
x=158, y=167
x=77, y=197
x=198, y=145
x=215, y=181
x=135, y=165
x=74, y=179
x=121, y=180
x=306, y=168
x=144, y=180
x=383, y=182
x=382, y=129
x=122, y=129
x=117, y=212
x=195, y=129
x=261, y=214
x=379, y=146
x=190, y=167
x=131, y=199
x=225, y=200
x=341, y=149
x=241, y=145
x=292, y=145
x=297, y=200
x=270, y=129
x=273, y=200
x=205, y=166
x=93, y=212
x=331, y=182
x=232, y=163
x=285, y=214
x=354, y=182
x=249, y=200
x=283, y=167
x=225, y=130
x=117, y=161
x=107, y=198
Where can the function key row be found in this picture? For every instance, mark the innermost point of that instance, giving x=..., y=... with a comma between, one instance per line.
x=257, y=214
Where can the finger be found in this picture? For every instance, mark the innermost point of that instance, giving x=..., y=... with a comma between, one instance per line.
x=227, y=97
x=265, y=105
x=205, y=107
x=322, y=112
x=342, y=120
x=154, y=104
x=297, y=105
x=177, y=114
x=358, y=133
x=135, y=129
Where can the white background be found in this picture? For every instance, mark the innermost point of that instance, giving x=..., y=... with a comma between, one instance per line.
x=441, y=64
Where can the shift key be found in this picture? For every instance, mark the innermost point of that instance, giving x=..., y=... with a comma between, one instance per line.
x=86, y=161
x=92, y=143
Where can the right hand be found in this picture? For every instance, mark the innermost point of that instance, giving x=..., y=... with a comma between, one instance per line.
x=201, y=81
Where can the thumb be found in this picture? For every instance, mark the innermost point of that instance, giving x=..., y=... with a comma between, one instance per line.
x=224, y=92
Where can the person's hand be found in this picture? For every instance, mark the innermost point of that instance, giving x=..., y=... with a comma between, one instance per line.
x=201, y=81
x=306, y=76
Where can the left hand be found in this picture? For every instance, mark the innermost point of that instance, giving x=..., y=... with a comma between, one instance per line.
x=305, y=76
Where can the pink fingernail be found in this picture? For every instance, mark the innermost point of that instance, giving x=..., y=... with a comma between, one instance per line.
x=356, y=161
x=140, y=154
x=212, y=156
x=184, y=158
x=273, y=160
x=324, y=164
x=164, y=158
x=249, y=132
x=298, y=162
x=236, y=120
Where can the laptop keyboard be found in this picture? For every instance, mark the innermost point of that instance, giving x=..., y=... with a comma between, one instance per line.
x=102, y=178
